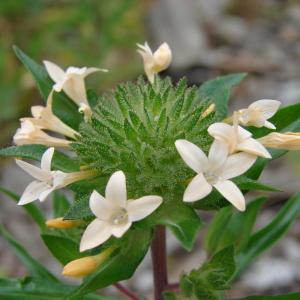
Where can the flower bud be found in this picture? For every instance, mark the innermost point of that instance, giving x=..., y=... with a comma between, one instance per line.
x=60, y=223
x=286, y=141
x=208, y=111
x=84, y=266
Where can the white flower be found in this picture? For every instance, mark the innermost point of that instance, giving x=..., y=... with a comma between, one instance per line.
x=30, y=134
x=115, y=213
x=157, y=61
x=72, y=83
x=237, y=138
x=214, y=171
x=47, y=180
x=43, y=118
x=258, y=113
x=285, y=141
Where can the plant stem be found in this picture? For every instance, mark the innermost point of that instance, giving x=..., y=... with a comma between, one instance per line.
x=159, y=262
x=126, y=291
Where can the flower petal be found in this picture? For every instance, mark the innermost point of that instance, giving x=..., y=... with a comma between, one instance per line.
x=197, y=189
x=192, y=155
x=217, y=154
x=119, y=230
x=74, y=87
x=232, y=193
x=56, y=73
x=46, y=159
x=34, y=171
x=35, y=190
x=254, y=147
x=140, y=208
x=237, y=164
x=101, y=207
x=266, y=106
x=220, y=131
x=269, y=125
x=96, y=233
x=116, y=189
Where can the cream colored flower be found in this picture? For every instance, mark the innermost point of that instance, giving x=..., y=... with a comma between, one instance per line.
x=115, y=213
x=214, y=171
x=237, y=139
x=72, y=83
x=258, y=113
x=60, y=223
x=157, y=61
x=46, y=180
x=30, y=134
x=43, y=118
x=285, y=141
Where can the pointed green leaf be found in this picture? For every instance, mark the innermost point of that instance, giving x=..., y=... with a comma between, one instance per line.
x=60, y=204
x=290, y=296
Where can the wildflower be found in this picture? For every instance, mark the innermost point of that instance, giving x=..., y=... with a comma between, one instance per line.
x=60, y=223
x=258, y=113
x=214, y=171
x=72, y=83
x=237, y=138
x=43, y=118
x=286, y=141
x=115, y=213
x=157, y=61
x=31, y=134
x=46, y=180
x=86, y=265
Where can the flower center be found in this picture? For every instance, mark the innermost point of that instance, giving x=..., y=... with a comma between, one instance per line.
x=211, y=178
x=119, y=217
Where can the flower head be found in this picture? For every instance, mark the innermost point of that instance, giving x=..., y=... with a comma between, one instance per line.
x=46, y=180
x=43, y=118
x=237, y=139
x=258, y=113
x=286, y=141
x=157, y=61
x=115, y=213
x=72, y=83
x=214, y=171
x=29, y=133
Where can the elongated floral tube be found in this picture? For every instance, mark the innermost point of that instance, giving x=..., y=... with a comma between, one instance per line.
x=208, y=111
x=285, y=141
x=60, y=223
x=84, y=266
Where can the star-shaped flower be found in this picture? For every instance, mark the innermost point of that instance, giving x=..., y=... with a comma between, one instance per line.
x=258, y=113
x=157, y=61
x=214, y=171
x=46, y=180
x=115, y=213
x=72, y=83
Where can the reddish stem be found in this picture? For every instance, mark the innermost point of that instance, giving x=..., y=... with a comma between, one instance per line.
x=126, y=291
x=159, y=262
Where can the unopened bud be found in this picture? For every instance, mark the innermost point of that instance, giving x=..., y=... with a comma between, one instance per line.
x=84, y=266
x=60, y=223
x=286, y=141
x=208, y=111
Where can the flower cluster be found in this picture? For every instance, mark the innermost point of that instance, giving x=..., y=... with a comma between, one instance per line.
x=232, y=152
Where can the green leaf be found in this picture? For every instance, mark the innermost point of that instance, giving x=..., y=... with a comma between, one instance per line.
x=291, y=296
x=218, y=91
x=63, y=107
x=247, y=184
x=38, y=289
x=33, y=267
x=268, y=235
x=60, y=204
x=62, y=248
x=120, y=266
x=213, y=276
x=30, y=208
x=232, y=227
x=180, y=219
x=60, y=161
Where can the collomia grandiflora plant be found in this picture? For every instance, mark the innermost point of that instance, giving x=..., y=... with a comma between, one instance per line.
x=146, y=156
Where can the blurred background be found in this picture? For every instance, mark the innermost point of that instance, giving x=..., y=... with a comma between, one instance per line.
x=208, y=38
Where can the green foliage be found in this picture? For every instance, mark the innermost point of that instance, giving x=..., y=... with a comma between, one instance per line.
x=218, y=91
x=290, y=296
x=212, y=277
x=38, y=289
x=33, y=267
x=270, y=234
x=60, y=204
